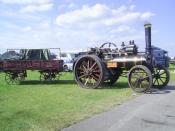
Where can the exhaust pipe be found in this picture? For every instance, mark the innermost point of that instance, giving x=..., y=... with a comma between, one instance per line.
x=148, y=49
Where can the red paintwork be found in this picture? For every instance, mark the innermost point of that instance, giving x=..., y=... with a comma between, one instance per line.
x=11, y=65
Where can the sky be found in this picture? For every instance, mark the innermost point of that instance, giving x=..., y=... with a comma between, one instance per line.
x=80, y=24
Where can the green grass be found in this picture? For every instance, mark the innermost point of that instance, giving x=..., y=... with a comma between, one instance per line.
x=33, y=106
x=172, y=71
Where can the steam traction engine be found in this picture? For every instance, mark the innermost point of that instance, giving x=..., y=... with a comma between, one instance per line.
x=107, y=63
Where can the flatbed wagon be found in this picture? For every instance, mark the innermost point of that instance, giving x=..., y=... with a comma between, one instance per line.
x=16, y=70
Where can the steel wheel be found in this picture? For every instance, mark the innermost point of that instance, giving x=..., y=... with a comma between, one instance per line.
x=140, y=78
x=161, y=77
x=88, y=71
x=44, y=76
x=12, y=78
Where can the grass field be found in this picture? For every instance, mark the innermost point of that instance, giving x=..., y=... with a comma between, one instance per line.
x=172, y=71
x=33, y=106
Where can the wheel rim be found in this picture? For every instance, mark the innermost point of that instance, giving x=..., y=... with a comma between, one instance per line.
x=161, y=77
x=45, y=77
x=88, y=72
x=11, y=78
x=140, y=80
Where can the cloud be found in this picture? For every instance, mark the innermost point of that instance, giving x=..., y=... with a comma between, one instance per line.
x=87, y=26
x=100, y=23
x=36, y=8
x=86, y=13
x=123, y=28
x=147, y=15
x=26, y=29
x=100, y=14
x=25, y=1
x=72, y=5
x=132, y=7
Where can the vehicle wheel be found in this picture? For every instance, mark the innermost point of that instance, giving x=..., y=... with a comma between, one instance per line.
x=45, y=76
x=22, y=75
x=140, y=78
x=66, y=68
x=161, y=77
x=12, y=78
x=88, y=71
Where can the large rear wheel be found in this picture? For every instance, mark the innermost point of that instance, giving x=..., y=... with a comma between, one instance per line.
x=140, y=78
x=88, y=71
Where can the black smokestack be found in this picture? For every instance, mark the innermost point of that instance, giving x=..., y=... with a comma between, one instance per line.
x=148, y=38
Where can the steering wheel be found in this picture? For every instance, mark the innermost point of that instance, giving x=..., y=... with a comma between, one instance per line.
x=108, y=45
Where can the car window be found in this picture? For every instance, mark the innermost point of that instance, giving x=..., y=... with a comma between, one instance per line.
x=72, y=55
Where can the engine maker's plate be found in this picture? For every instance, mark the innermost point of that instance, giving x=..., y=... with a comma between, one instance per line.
x=111, y=64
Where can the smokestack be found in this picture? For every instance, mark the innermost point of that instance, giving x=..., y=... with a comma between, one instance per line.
x=148, y=38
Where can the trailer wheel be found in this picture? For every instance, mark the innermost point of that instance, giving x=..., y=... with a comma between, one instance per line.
x=12, y=78
x=88, y=71
x=46, y=76
x=161, y=77
x=140, y=78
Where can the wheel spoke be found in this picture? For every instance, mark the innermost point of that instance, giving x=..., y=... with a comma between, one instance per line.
x=88, y=65
x=93, y=66
x=95, y=78
x=154, y=81
x=96, y=71
x=161, y=80
x=143, y=79
x=163, y=77
x=86, y=81
x=157, y=81
x=82, y=76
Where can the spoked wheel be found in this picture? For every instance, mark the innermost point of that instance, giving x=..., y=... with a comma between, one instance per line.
x=140, y=78
x=12, y=78
x=161, y=77
x=47, y=76
x=109, y=45
x=22, y=75
x=88, y=71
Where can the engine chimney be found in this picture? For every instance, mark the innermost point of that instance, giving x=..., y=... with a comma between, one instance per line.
x=148, y=38
x=148, y=43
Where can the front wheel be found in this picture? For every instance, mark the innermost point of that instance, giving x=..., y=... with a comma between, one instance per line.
x=88, y=71
x=140, y=78
x=161, y=77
